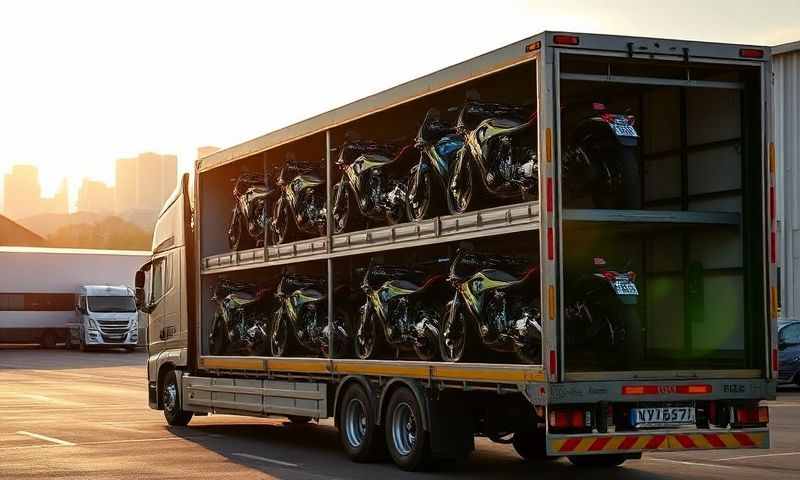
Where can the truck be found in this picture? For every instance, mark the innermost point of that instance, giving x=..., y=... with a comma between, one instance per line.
x=39, y=290
x=653, y=290
x=106, y=317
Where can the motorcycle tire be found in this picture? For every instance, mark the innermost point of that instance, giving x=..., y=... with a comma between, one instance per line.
x=369, y=340
x=342, y=344
x=529, y=354
x=458, y=341
x=218, y=341
x=235, y=231
x=631, y=179
x=423, y=205
x=344, y=209
x=461, y=185
x=282, y=341
x=282, y=226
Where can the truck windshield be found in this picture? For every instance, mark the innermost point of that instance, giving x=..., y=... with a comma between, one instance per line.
x=112, y=304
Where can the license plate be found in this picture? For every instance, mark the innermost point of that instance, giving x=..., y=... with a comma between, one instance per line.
x=623, y=286
x=623, y=130
x=661, y=416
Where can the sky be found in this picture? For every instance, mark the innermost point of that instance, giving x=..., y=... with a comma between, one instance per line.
x=83, y=83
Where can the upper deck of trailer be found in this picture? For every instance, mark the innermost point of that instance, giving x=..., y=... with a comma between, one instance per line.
x=501, y=58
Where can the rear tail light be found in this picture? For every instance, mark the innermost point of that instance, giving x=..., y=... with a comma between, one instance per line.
x=751, y=415
x=751, y=53
x=566, y=40
x=570, y=418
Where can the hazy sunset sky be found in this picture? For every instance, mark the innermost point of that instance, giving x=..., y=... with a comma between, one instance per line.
x=83, y=83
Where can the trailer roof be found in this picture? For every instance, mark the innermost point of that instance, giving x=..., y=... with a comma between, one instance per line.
x=73, y=251
x=786, y=48
x=494, y=60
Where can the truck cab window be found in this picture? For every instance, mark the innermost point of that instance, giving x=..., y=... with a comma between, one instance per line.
x=157, y=281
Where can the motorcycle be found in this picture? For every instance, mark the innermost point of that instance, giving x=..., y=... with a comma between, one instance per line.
x=439, y=144
x=402, y=311
x=241, y=321
x=300, y=208
x=599, y=308
x=251, y=195
x=496, y=302
x=601, y=159
x=301, y=319
x=371, y=183
x=499, y=156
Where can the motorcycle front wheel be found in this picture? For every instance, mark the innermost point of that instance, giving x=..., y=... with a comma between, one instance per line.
x=280, y=227
x=281, y=338
x=460, y=186
x=369, y=340
x=419, y=196
x=342, y=208
x=217, y=341
x=457, y=342
x=235, y=231
x=427, y=347
x=342, y=343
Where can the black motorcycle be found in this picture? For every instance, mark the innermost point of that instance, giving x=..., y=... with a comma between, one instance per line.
x=499, y=157
x=439, y=145
x=403, y=311
x=301, y=205
x=601, y=160
x=599, y=308
x=372, y=184
x=496, y=302
x=301, y=319
x=251, y=194
x=241, y=321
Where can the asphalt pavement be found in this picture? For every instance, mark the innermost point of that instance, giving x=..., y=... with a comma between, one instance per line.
x=72, y=415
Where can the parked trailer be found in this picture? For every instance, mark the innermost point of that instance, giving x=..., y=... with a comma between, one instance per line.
x=39, y=287
x=699, y=350
x=786, y=118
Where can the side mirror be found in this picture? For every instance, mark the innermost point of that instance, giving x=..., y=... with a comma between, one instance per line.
x=139, y=290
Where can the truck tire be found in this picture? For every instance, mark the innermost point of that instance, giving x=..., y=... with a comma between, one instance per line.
x=613, y=460
x=532, y=446
x=359, y=432
x=171, y=399
x=408, y=443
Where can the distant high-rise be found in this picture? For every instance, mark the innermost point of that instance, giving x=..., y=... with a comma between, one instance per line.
x=95, y=196
x=59, y=204
x=145, y=182
x=22, y=192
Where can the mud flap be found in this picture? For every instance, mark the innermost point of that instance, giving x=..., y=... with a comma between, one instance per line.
x=451, y=436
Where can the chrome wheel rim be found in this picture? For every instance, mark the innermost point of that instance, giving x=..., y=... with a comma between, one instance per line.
x=170, y=397
x=404, y=429
x=356, y=422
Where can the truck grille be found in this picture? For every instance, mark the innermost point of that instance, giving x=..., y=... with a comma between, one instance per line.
x=113, y=327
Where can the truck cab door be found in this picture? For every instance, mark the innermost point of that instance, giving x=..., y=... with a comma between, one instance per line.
x=155, y=309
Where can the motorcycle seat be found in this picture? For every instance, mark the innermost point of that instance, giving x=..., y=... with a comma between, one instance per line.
x=500, y=276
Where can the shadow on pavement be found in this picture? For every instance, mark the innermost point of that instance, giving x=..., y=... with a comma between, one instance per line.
x=315, y=449
x=60, y=359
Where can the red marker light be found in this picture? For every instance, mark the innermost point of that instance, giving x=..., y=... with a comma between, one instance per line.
x=774, y=359
x=565, y=40
x=751, y=53
x=552, y=362
x=549, y=195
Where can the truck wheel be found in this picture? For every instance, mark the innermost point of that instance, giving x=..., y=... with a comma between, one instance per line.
x=598, y=460
x=531, y=446
x=406, y=438
x=171, y=398
x=359, y=432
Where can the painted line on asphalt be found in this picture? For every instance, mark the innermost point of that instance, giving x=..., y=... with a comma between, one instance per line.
x=786, y=454
x=265, y=459
x=46, y=438
x=104, y=442
x=694, y=464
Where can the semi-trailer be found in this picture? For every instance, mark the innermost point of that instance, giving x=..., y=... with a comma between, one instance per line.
x=648, y=295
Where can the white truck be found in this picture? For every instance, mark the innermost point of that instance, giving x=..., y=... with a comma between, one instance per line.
x=699, y=350
x=39, y=288
x=107, y=317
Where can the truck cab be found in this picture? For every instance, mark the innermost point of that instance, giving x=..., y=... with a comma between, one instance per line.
x=106, y=317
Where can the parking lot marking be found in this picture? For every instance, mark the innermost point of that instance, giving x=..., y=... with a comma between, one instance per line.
x=46, y=438
x=694, y=464
x=759, y=456
x=264, y=459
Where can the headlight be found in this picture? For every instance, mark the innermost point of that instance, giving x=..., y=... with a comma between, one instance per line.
x=133, y=324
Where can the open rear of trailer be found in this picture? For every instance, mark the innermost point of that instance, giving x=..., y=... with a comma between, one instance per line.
x=682, y=359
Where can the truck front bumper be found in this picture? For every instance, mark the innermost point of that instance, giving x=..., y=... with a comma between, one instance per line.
x=96, y=338
x=661, y=441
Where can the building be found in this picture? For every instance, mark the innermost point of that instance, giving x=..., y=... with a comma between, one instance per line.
x=22, y=192
x=95, y=196
x=59, y=204
x=786, y=119
x=14, y=234
x=145, y=182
